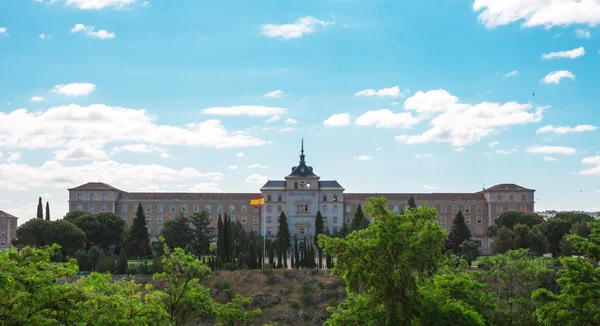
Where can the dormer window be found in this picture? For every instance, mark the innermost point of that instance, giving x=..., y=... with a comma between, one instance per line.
x=302, y=169
x=324, y=197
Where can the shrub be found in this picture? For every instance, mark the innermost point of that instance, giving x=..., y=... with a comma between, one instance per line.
x=289, y=274
x=294, y=304
x=230, y=267
x=306, y=288
x=221, y=284
x=271, y=279
x=228, y=293
x=157, y=265
x=106, y=264
x=131, y=270
x=122, y=262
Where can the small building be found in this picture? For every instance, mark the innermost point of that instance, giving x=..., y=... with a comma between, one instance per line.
x=8, y=229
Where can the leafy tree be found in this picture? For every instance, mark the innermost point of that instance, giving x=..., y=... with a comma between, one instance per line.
x=319, y=230
x=40, y=210
x=411, y=203
x=31, y=233
x=71, y=216
x=459, y=231
x=343, y=231
x=511, y=218
x=578, y=301
x=469, y=249
x=358, y=221
x=47, y=211
x=66, y=234
x=138, y=233
x=94, y=258
x=235, y=311
x=189, y=250
x=383, y=264
x=177, y=232
x=122, y=263
x=103, y=229
x=202, y=233
x=555, y=229
x=283, y=239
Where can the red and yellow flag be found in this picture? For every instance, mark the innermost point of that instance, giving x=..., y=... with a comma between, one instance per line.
x=257, y=201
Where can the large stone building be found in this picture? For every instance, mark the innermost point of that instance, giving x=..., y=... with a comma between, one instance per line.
x=300, y=196
x=8, y=229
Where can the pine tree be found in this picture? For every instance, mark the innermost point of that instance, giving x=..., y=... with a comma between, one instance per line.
x=358, y=219
x=220, y=239
x=296, y=253
x=328, y=260
x=138, y=233
x=459, y=231
x=40, y=210
x=230, y=238
x=319, y=230
x=283, y=239
x=411, y=203
x=122, y=263
x=189, y=250
x=47, y=211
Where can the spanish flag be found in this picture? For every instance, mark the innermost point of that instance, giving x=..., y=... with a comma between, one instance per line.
x=257, y=201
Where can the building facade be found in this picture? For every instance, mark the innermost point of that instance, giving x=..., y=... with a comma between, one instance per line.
x=300, y=196
x=8, y=229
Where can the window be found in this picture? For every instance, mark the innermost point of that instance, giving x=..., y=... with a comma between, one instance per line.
x=232, y=219
x=335, y=230
x=255, y=230
x=255, y=209
x=171, y=207
x=499, y=198
x=269, y=208
x=219, y=208
x=348, y=208
x=443, y=209
x=148, y=219
x=148, y=208
x=467, y=208
x=196, y=208
x=523, y=208
x=279, y=197
x=308, y=185
x=454, y=208
x=511, y=198
x=269, y=232
x=443, y=220
x=479, y=220
x=160, y=208
x=279, y=208
x=335, y=208
x=103, y=208
x=479, y=234
x=244, y=208
x=324, y=208
x=159, y=220
x=324, y=197
x=244, y=220
x=207, y=208
x=498, y=208
x=91, y=197
x=302, y=208
x=269, y=197
x=269, y=219
x=295, y=185
x=396, y=208
x=301, y=230
x=171, y=217
x=231, y=208
x=335, y=220
x=183, y=208
x=80, y=207
x=78, y=196
x=103, y=197
x=92, y=208
x=523, y=198
x=124, y=218
x=158, y=230
x=468, y=219
x=255, y=220
x=348, y=219
x=478, y=208
x=334, y=197
x=511, y=208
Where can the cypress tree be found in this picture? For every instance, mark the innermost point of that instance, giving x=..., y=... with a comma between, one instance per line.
x=47, y=211
x=357, y=220
x=283, y=239
x=293, y=262
x=305, y=254
x=319, y=230
x=220, y=239
x=230, y=238
x=40, y=210
x=411, y=203
x=328, y=259
x=296, y=253
x=138, y=233
x=271, y=251
x=459, y=231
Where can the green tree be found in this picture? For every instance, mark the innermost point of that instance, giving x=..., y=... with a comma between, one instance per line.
x=40, y=209
x=383, y=264
x=138, y=233
x=230, y=237
x=202, y=233
x=319, y=230
x=234, y=312
x=511, y=218
x=177, y=232
x=358, y=221
x=31, y=233
x=221, y=240
x=411, y=203
x=47, y=211
x=283, y=239
x=122, y=263
x=469, y=249
x=71, y=216
x=459, y=231
x=555, y=229
x=296, y=253
x=66, y=234
x=94, y=258
x=103, y=229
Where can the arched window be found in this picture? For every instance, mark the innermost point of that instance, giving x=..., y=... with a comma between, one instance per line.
x=91, y=197
x=308, y=185
x=499, y=198
x=279, y=197
x=324, y=197
x=103, y=197
x=511, y=198
x=269, y=197
x=78, y=196
x=295, y=185
x=523, y=198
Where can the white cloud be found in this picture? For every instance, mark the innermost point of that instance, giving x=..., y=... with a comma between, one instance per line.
x=240, y=154
x=3, y=31
x=395, y=103
x=15, y=176
x=511, y=74
x=286, y=129
x=248, y=110
x=378, y=149
x=256, y=179
x=464, y=124
x=551, y=150
x=91, y=32
x=431, y=187
x=338, y=120
x=566, y=129
x=275, y=94
x=80, y=153
x=205, y=187
x=74, y=89
x=149, y=188
x=493, y=144
x=257, y=166
x=13, y=157
x=37, y=99
x=146, y=3
x=232, y=167
x=97, y=125
x=141, y=148
x=554, y=77
x=593, y=160
x=302, y=26
x=1, y=155
x=273, y=119
x=386, y=119
x=46, y=195
x=583, y=33
x=459, y=149
x=570, y=54
x=363, y=158
x=97, y=4
x=44, y=36
x=291, y=121
x=549, y=159
x=384, y=92
x=547, y=13
x=504, y=152
x=165, y=155
x=423, y=155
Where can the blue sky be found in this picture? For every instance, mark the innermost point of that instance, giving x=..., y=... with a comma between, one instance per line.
x=390, y=96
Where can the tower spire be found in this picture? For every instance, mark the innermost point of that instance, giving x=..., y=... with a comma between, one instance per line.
x=302, y=152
